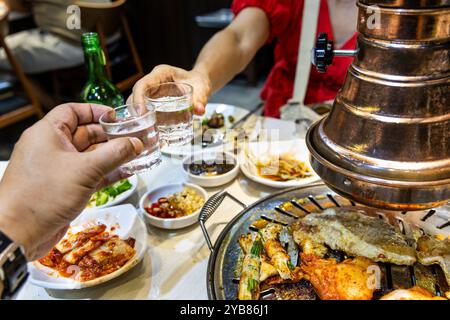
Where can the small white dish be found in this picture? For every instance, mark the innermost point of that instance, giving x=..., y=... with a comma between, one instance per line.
x=211, y=157
x=126, y=222
x=175, y=223
x=121, y=197
x=264, y=149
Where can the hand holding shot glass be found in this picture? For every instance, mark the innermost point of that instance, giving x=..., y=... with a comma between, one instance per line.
x=165, y=119
x=174, y=108
x=139, y=121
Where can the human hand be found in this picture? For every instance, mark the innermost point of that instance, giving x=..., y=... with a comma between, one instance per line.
x=166, y=73
x=55, y=167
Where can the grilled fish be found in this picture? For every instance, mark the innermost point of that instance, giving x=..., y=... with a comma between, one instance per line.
x=249, y=282
x=432, y=251
x=279, y=258
x=309, y=245
x=355, y=233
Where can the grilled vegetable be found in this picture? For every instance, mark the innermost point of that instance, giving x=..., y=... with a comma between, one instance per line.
x=292, y=249
x=249, y=282
x=267, y=270
x=279, y=258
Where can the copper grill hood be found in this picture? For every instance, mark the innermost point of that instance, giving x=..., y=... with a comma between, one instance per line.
x=386, y=141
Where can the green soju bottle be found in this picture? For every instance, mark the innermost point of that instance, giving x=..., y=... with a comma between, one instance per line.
x=98, y=88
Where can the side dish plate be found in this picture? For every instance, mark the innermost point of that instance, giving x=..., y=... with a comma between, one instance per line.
x=126, y=223
x=261, y=149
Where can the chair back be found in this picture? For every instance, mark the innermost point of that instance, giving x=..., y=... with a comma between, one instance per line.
x=28, y=109
x=105, y=14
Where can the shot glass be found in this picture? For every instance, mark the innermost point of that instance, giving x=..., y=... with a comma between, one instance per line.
x=174, y=112
x=135, y=120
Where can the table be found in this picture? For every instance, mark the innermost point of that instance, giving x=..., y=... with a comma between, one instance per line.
x=175, y=264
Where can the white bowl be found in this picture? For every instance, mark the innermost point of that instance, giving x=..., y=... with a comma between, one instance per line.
x=211, y=181
x=175, y=223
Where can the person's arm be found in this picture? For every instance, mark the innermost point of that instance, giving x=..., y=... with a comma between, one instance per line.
x=224, y=56
x=232, y=49
x=52, y=174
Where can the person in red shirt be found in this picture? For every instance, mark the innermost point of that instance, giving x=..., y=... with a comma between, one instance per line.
x=256, y=23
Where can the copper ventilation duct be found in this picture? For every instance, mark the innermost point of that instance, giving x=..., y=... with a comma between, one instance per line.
x=386, y=141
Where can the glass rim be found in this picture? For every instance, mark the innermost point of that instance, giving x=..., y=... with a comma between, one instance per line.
x=170, y=99
x=103, y=123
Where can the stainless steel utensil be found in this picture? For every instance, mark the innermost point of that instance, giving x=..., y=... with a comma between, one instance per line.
x=386, y=141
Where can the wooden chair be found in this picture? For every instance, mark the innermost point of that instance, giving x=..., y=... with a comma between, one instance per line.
x=109, y=18
x=31, y=108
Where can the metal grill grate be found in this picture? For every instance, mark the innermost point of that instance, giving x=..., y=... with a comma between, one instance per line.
x=222, y=277
x=393, y=276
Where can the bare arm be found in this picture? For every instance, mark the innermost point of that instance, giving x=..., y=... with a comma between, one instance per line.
x=224, y=56
x=232, y=49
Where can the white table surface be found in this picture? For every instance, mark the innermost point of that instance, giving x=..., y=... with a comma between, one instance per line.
x=175, y=264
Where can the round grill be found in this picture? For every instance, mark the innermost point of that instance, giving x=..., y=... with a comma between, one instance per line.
x=222, y=276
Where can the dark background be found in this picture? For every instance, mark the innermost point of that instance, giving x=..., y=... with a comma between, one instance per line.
x=165, y=30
